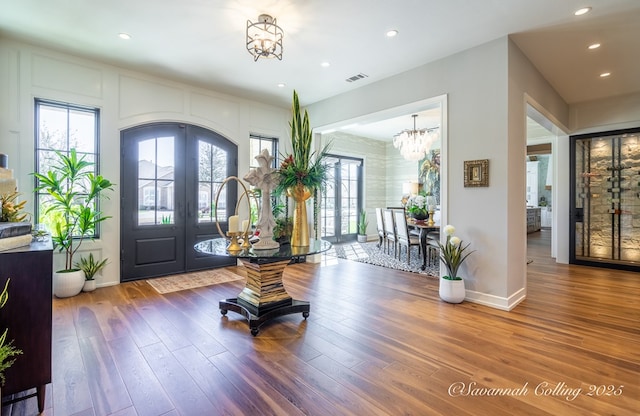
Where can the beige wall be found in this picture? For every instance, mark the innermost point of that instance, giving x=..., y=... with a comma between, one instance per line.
x=604, y=115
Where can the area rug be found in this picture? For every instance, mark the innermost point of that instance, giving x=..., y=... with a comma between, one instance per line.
x=192, y=280
x=370, y=253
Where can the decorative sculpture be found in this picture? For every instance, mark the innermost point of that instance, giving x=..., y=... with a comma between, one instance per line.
x=265, y=178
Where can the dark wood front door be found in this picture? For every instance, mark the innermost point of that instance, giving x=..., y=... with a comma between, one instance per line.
x=169, y=179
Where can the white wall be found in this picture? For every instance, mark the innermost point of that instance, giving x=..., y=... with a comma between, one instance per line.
x=125, y=98
x=482, y=124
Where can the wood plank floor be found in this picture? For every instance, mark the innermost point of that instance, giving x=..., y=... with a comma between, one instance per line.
x=377, y=342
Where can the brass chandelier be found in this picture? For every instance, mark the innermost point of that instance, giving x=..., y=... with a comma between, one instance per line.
x=264, y=38
x=414, y=144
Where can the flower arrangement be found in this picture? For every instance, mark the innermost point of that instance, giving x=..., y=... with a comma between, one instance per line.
x=417, y=206
x=11, y=211
x=302, y=166
x=452, y=253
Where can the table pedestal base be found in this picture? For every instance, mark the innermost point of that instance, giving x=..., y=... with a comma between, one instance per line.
x=258, y=316
x=264, y=296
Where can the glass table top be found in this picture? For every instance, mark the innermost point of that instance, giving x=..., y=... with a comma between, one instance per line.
x=218, y=247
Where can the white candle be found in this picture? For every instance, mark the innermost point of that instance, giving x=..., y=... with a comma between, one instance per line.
x=245, y=226
x=233, y=223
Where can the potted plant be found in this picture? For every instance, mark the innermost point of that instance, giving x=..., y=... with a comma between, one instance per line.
x=90, y=267
x=362, y=226
x=74, y=193
x=452, y=254
x=302, y=173
x=7, y=350
x=282, y=230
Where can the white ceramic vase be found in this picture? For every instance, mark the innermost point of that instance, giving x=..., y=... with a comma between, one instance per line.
x=68, y=283
x=452, y=291
x=89, y=285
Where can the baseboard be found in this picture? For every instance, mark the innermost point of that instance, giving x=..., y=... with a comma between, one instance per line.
x=498, y=302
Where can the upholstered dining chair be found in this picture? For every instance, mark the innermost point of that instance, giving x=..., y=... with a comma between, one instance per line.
x=382, y=236
x=433, y=251
x=402, y=235
x=390, y=231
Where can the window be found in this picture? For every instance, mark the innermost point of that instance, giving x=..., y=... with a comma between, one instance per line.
x=62, y=127
x=257, y=144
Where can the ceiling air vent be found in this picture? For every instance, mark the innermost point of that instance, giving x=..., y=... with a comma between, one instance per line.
x=356, y=77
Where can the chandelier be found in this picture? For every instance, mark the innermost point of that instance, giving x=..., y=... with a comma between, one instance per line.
x=414, y=144
x=264, y=38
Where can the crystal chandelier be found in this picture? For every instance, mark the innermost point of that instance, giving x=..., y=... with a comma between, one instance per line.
x=414, y=144
x=264, y=38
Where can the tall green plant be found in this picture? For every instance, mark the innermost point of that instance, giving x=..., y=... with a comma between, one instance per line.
x=74, y=192
x=303, y=166
x=362, y=222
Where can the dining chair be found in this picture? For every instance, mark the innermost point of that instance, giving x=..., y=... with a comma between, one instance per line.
x=433, y=251
x=380, y=225
x=390, y=231
x=402, y=235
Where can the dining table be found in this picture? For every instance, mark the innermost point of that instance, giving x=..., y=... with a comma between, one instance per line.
x=424, y=228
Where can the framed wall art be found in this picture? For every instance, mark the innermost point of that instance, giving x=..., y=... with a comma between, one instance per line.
x=476, y=173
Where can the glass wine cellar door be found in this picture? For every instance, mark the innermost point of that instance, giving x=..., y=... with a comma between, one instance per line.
x=605, y=199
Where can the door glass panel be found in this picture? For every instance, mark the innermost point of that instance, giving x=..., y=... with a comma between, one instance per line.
x=341, y=199
x=156, y=201
x=212, y=171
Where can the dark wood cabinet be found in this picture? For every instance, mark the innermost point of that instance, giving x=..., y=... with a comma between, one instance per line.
x=27, y=314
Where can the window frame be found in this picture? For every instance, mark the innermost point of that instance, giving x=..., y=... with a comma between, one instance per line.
x=273, y=151
x=39, y=148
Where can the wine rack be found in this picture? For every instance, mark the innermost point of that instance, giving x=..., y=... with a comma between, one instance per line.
x=605, y=199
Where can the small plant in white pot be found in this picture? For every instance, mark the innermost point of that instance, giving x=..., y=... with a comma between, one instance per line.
x=74, y=192
x=452, y=254
x=362, y=227
x=90, y=266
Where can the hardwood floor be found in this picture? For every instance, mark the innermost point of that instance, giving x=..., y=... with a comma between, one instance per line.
x=377, y=342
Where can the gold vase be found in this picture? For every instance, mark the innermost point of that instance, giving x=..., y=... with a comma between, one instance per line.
x=300, y=233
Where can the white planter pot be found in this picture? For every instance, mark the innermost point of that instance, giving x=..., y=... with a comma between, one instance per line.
x=89, y=285
x=68, y=283
x=452, y=291
x=362, y=238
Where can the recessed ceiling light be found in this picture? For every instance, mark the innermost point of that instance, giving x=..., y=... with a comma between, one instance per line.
x=582, y=11
x=594, y=46
x=325, y=64
x=281, y=85
x=605, y=74
x=392, y=33
x=124, y=36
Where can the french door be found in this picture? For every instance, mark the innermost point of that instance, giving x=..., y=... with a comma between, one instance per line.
x=170, y=175
x=342, y=199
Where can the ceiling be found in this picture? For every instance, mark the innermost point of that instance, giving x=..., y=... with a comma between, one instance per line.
x=202, y=42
